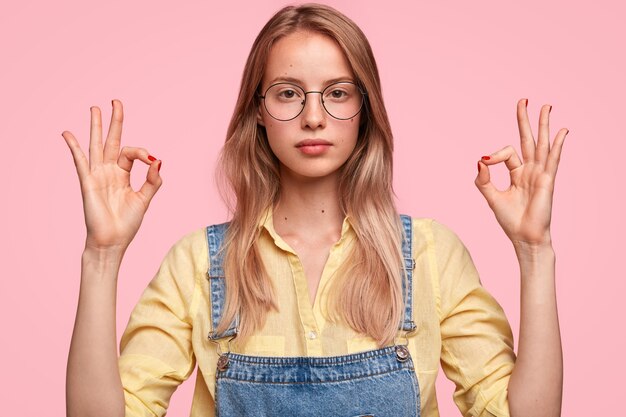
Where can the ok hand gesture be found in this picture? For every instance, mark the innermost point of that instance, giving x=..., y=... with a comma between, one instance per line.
x=524, y=209
x=113, y=210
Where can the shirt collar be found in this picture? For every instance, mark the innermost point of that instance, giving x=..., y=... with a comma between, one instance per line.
x=267, y=222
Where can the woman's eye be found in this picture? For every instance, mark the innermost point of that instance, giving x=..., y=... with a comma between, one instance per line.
x=288, y=94
x=336, y=94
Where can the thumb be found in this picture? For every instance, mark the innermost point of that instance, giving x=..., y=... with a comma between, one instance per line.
x=153, y=181
x=484, y=184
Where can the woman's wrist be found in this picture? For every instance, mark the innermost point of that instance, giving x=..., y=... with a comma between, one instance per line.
x=102, y=262
x=537, y=264
x=529, y=252
x=111, y=253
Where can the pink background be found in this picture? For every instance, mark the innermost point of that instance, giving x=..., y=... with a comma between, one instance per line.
x=452, y=74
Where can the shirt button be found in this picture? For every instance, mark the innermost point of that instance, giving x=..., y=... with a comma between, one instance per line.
x=311, y=335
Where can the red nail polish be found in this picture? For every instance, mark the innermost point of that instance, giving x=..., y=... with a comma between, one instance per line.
x=151, y=158
x=526, y=102
x=159, y=169
x=479, y=167
x=486, y=158
x=550, y=109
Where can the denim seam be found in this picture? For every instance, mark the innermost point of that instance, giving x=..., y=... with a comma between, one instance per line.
x=408, y=324
x=416, y=393
x=314, y=361
x=412, y=369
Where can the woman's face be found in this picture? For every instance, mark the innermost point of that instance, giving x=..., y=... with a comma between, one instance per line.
x=312, y=61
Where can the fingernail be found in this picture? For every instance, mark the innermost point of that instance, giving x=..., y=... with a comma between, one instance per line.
x=159, y=169
x=550, y=109
x=526, y=102
x=485, y=158
x=151, y=158
x=479, y=167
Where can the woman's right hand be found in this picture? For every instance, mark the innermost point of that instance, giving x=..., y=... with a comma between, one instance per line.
x=113, y=210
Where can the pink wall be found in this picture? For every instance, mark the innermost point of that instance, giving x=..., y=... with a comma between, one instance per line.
x=452, y=73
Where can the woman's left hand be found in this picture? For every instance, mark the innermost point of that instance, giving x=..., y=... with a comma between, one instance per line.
x=524, y=209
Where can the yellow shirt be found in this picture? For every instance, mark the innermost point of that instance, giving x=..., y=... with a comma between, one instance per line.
x=458, y=323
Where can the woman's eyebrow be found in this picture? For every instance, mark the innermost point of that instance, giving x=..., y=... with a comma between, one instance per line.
x=300, y=82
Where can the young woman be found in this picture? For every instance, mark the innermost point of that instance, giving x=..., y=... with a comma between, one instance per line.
x=317, y=298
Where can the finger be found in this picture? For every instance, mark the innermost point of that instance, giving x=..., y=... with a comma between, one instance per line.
x=484, y=185
x=527, y=141
x=153, y=182
x=543, y=141
x=112, y=145
x=95, y=137
x=554, y=157
x=509, y=156
x=80, y=160
x=129, y=154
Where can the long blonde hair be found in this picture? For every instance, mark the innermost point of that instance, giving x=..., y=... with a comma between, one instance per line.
x=368, y=286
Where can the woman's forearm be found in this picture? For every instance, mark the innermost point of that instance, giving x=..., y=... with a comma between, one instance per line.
x=93, y=386
x=536, y=384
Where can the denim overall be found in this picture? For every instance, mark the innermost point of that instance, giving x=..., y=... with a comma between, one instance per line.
x=379, y=383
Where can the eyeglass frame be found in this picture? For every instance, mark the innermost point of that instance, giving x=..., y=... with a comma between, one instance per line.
x=363, y=97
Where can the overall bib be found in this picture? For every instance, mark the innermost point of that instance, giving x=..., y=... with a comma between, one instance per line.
x=379, y=383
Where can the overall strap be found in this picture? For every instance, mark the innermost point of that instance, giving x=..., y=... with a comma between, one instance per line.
x=215, y=238
x=409, y=263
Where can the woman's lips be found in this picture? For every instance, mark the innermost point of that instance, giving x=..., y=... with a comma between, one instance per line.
x=313, y=146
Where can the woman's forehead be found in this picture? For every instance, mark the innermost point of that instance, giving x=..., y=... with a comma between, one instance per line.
x=306, y=58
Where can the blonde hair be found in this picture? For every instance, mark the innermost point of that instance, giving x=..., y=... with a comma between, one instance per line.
x=368, y=286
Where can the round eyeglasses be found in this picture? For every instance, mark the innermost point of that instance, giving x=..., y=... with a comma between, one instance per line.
x=285, y=101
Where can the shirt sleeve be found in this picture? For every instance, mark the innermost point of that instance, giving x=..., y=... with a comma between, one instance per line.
x=156, y=352
x=477, y=343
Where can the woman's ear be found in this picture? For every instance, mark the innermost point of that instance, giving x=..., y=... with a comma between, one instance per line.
x=259, y=116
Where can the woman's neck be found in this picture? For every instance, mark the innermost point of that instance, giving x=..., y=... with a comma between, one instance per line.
x=308, y=208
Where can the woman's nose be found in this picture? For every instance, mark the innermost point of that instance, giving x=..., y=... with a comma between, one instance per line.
x=313, y=114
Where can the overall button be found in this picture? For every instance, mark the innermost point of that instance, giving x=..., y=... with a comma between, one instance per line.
x=222, y=363
x=311, y=335
x=402, y=353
